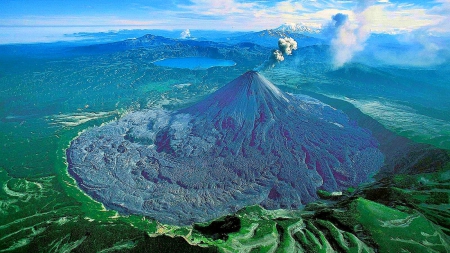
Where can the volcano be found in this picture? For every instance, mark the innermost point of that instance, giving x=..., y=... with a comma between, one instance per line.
x=247, y=143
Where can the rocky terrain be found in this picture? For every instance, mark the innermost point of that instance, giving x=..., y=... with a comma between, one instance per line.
x=248, y=143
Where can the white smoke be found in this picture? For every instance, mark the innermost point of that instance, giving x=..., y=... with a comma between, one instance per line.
x=285, y=47
x=185, y=34
x=350, y=36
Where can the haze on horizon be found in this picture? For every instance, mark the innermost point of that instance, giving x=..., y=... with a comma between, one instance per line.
x=43, y=20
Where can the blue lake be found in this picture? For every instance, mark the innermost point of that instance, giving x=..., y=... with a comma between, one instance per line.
x=194, y=63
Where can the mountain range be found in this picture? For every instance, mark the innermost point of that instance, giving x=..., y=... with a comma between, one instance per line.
x=297, y=28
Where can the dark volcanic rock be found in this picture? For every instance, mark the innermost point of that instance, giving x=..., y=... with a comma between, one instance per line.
x=401, y=155
x=220, y=229
x=248, y=143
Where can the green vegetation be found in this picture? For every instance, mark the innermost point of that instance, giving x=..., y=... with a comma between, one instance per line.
x=409, y=213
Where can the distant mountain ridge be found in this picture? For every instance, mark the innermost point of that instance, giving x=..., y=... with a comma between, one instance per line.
x=296, y=28
x=146, y=41
x=152, y=48
x=266, y=38
x=269, y=38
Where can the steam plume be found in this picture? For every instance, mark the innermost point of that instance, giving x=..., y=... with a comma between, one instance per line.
x=350, y=37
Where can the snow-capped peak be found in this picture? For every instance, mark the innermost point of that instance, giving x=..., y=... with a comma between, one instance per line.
x=296, y=28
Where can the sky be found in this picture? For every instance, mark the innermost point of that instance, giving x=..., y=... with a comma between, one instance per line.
x=379, y=16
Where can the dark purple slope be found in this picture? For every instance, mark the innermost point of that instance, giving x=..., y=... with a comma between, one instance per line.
x=248, y=143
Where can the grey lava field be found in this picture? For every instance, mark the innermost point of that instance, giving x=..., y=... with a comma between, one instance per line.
x=247, y=143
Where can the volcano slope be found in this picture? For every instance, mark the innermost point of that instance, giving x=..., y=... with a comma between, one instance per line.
x=247, y=143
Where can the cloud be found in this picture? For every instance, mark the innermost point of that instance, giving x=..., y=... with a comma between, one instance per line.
x=380, y=16
x=394, y=19
x=259, y=15
x=289, y=7
x=72, y=21
x=350, y=31
x=441, y=13
x=219, y=7
x=361, y=5
x=185, y=34
x=416, y=49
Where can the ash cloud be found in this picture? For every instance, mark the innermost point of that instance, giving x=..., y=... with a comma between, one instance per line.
x=277, y=56
x=285, y=47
